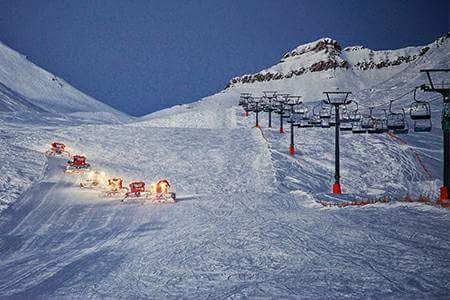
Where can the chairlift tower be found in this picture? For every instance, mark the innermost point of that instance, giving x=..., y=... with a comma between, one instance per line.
x=256, y=109
x=281, y=99
x=246, y=97
x=270, y=95
x=291, y=102
x=337, y=99
x=444, y=90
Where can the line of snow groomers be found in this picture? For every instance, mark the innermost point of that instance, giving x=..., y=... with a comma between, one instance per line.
x=157, y=192
x=344, y=114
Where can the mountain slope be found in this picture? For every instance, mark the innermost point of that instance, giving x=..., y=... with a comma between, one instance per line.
x=323, y=65
x=25, y=87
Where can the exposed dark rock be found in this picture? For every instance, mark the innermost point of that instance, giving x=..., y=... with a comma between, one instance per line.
x=327, y=65
x=328, y=44
x=424, y=50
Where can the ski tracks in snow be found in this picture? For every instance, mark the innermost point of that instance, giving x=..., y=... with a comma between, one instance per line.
x=253, y=232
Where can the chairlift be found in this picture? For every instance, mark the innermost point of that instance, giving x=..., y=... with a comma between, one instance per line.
x=423, y=125
x=282, y=109
x=325, y=111
x=325, y=123
x=395, y=120
x=268, y=106
x=355, y=116
x=366, y=122
x=243, y=99
x=379, y=126
x=256, y=108
x=404, y=130
x=347, y=126
x=344, y=118
x=305, y=121
x=357, y=128
x=294, y=119
x=332, y=120
x=306, y=114
x=302, y=110
x=370, y=122
x=305, y=124
x=315, y=118
x=316, y=121
x=248, y=108
x=285, y=112
x=419, y=109
x=255, y=105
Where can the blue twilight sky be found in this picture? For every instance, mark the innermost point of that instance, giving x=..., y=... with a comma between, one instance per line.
x=141, y=56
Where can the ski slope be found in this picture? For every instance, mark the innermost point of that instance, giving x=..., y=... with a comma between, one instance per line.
x=248, y=223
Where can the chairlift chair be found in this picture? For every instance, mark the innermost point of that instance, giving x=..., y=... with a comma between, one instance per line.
x=243, y=99
x=332, y=120
x=325, y=112
x=419, y=109
x=282, y=109
x=355, y=116
x=305, y=124
x=315, y=118
x=366, y=122
x=325, y=123
x=344, y=117
x=286, y=113
x=377, y=127
x=266, y=107
x=346, y=126
x=395, y=120
x=423, y=125
x=404, y=130
x=305, y=121
x=316, y=121
x=357, y=128
x=380, y=124
x=369, y=122
x=302, y=110
x=294, y=119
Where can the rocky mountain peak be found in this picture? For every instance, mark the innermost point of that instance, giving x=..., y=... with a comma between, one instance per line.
x=327, y=54
x=327, y=45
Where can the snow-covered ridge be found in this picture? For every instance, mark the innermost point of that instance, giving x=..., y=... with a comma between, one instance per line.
x=327, y=54
x=27, y=88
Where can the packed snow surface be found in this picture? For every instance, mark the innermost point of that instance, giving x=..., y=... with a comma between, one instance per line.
x=247, y=223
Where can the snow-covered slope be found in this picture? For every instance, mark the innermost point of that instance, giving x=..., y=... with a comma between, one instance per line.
x=248, y=223
x=26, y=88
